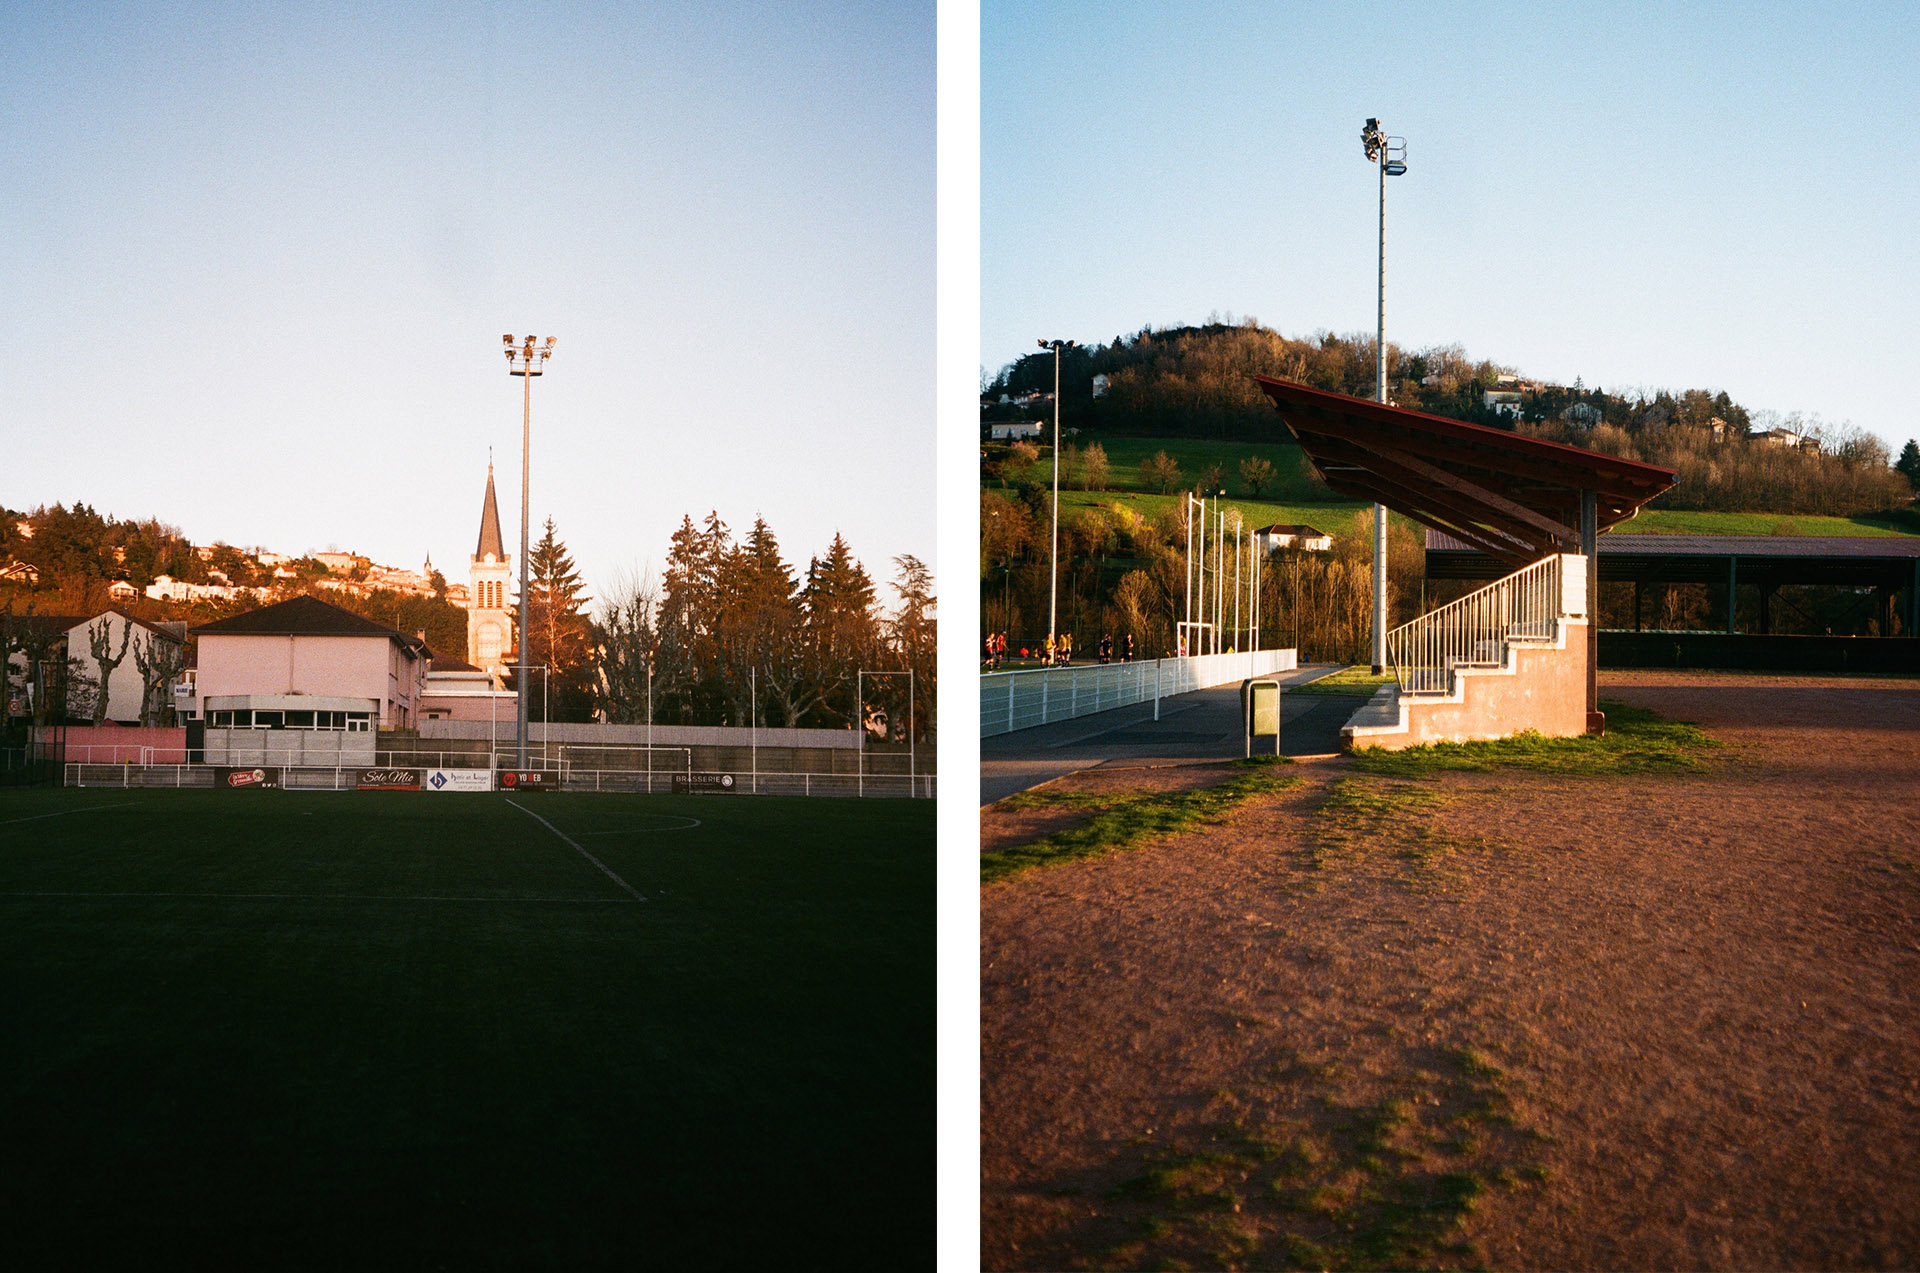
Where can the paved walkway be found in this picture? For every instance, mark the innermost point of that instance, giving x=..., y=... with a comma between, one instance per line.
x=1201, y=726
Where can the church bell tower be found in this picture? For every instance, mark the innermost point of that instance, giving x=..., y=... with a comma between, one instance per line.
x=489, y=595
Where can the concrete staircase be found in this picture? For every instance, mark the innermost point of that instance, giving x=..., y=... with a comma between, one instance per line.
x=1507, y=659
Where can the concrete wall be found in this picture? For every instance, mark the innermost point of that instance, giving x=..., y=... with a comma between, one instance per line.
x=638, y=736
x=1545, y=691
x=121, y=744
x=289, y=747
x=322, y=666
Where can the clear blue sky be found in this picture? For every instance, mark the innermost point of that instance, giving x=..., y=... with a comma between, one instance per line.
x=260, y=258
x=1678, y=196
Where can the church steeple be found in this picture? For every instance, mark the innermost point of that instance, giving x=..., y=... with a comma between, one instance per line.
x=489, y=593
x=490, y=526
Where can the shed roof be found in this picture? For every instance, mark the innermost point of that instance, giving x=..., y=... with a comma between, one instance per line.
x=307, y=616
x=1770, y=560
x=1513, y=497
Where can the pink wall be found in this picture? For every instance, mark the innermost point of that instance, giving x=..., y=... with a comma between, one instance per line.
x=120, y=744
x=323, y=666
x=458, y=707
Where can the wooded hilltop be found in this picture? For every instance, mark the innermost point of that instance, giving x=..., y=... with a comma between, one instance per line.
x=1160, y=412
x=1198, y=382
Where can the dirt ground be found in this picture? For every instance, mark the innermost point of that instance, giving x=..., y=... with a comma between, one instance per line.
x=1668, y=1021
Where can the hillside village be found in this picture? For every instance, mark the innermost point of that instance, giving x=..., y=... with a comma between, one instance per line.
x=110, y=622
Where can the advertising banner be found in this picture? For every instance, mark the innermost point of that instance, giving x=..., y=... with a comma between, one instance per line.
x=695, y=784
x=235, y=779
x=388, y=780
x=529, y=780
x=457, y=780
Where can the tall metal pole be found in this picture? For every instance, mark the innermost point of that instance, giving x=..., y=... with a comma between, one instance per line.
x=1219, y=571
x=525, y=362
x=526, y=602
x=1053, y=585
x=1380, y=386
x=1053, y=573
x=1186, y=631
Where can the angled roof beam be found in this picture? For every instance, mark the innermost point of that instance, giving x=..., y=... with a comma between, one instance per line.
x=1408, y=469
x=1495, y=541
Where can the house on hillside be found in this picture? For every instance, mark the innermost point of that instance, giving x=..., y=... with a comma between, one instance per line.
x=125, y=687
x=1013, y=430
x=1779, y=437
x=304, y=681
x=1270, y=539
x=68, y=672
x=167, y=588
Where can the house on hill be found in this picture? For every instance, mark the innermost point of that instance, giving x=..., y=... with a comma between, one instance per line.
x=1270, y=539
x=1787, y=438
x=68, y=671
x=317, y=679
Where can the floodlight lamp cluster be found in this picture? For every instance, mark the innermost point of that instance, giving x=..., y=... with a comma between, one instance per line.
x=1057, y=345
x=1389, y=152
x=527, y=359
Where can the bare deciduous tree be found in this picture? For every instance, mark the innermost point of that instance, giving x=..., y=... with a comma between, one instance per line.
x=100, y=640
x=159, y=661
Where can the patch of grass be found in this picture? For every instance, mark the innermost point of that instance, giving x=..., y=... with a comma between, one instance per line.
x=1131, y=821
x=1665, y=521
x=1353, y=680
x=1636, y=741
x=1474, y=1063
x=230, y=1013
x=1363, y=819
x=1385, y=1183
x=1040, y=798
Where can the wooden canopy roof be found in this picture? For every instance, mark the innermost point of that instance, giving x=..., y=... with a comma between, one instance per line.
x=1513, y=497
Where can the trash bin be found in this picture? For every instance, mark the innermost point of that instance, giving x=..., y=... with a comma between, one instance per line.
x=1260, y=709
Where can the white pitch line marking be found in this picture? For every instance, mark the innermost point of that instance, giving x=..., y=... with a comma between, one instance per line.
x=327, y=897
x=691, y=823
x=124, y=804
x=577, y=848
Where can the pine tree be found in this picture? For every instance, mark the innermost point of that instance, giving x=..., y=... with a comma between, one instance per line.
x=1909, y=462
x=912, y=632
x=558, y=636
x=761, y=621
x=838, y=605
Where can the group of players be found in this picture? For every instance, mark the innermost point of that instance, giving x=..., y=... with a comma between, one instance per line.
x=1058, y=652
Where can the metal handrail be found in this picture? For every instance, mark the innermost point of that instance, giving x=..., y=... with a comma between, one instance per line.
x=1476, y=630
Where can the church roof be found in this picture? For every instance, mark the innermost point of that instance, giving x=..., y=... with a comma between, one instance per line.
x=490, y=526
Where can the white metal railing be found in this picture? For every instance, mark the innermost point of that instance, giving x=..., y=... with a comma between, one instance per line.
x=1478, y=629
x=922, y=786
x=1039, y=696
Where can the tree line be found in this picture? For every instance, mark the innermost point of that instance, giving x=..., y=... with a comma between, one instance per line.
x=1124, y=574
x=731, y=634
x=1197, y=381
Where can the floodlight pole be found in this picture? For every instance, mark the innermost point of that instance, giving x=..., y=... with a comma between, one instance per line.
x=1380, y=149
x=526, y=362
x=1053, y=559
x=1380, y=393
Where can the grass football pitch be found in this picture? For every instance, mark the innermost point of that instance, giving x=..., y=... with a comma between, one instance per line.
x=272, y=1029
